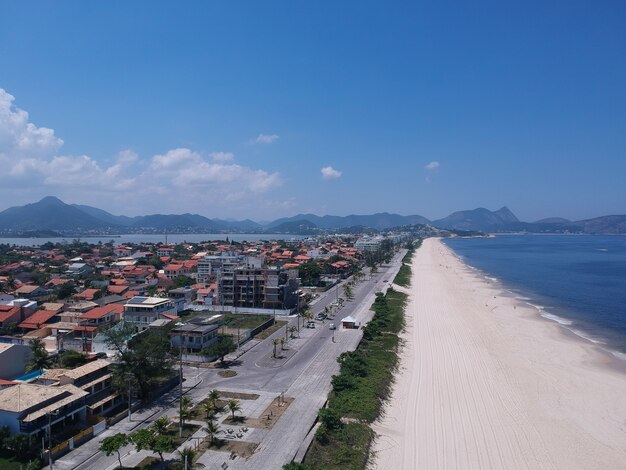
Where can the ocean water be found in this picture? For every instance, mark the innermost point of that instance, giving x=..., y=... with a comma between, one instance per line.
x=154, y=238
x=578, y=281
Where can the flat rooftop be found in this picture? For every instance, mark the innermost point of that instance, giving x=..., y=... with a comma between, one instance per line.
x=191, y=328
x=146, y=301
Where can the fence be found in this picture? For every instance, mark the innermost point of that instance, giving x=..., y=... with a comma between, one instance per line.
x=77, y=440
x=239, y=310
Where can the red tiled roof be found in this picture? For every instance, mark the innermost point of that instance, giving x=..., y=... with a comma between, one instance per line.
x=37, y=319
x=174, y=267
x=117, y=289
x=100, y=312
x=7, y=311
x=87, y=294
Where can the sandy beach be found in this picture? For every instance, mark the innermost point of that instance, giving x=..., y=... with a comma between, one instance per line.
x=485, y=383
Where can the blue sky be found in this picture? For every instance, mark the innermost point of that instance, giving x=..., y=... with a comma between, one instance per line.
x=267, y=109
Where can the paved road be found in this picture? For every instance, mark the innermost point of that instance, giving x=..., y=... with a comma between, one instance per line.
x=305, y=375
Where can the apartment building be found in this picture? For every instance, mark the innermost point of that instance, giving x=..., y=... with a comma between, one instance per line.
x=141, y=311
x=257, y=287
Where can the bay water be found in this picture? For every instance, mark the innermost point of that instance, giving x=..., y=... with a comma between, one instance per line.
x=577, y=280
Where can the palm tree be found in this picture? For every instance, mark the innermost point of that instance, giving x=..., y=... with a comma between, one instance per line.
x=214, y=395
x=185, y=410
x=160, y=425
x=347, y=290
x=292, y=330
x=282, y=343
x=308, y=314
x=233, y=405
x=40, y=359
x=209, y=409
x=212, y=429
x=186, y=457
x=275, y=342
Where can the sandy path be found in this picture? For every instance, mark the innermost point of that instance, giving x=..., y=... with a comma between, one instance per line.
x=486, y=384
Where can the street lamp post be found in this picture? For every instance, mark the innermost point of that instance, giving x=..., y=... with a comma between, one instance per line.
x=129, y=376
x=180, y=397
x=50, y=413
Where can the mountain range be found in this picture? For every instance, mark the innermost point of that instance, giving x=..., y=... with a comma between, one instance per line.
x=53, y=214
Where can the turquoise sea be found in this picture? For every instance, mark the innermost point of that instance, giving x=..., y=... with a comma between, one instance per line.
x=576, y=280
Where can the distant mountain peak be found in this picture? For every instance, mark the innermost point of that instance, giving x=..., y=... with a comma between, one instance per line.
x=51, y=200
x=506, y=214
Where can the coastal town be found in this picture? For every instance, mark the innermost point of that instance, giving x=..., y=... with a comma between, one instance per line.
x=92, y=334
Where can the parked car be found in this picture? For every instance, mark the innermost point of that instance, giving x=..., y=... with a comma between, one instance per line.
x=332, y=326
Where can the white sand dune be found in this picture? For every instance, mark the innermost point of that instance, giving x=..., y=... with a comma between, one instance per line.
x=485, y=383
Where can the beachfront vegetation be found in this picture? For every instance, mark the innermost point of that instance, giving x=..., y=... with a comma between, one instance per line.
x=364, y=381
x=403, y=278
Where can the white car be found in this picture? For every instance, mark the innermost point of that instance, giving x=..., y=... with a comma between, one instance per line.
x=332, y=326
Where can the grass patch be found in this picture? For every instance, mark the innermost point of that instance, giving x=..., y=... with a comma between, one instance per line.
x=244, y=321
x=148, y=463
x=271, y=330
x=11, y=463
x=239, y=395
x=188, y=430
x=344, y=437
x=227, y=373
x=346, y=449
x=403, y=278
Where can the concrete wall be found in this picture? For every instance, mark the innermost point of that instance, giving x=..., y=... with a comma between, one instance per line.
x=13, y=361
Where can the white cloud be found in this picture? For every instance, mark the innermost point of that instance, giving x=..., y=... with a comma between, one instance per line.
x=329, y=173
x=20, y=138
x=432, y=165
x=222, y=156
x=173, y=159
x=265, y=138
x=31, y=161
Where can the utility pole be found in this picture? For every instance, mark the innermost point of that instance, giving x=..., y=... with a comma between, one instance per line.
x=129, y=396
x=180, y=394
x=50, y=440
x=50, y=413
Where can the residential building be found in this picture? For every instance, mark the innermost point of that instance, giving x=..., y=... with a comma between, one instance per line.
x=141, y=311
x=39, y=319
x=101, y=316
x=188, y=294
x=172, y=271
x=368, y=243
x=29, y=408
x=210, y=266
x=165, y=250
x=95, y=378
x=255, y=287
x=33, y=292
x=79, y=270
x=194, y=338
